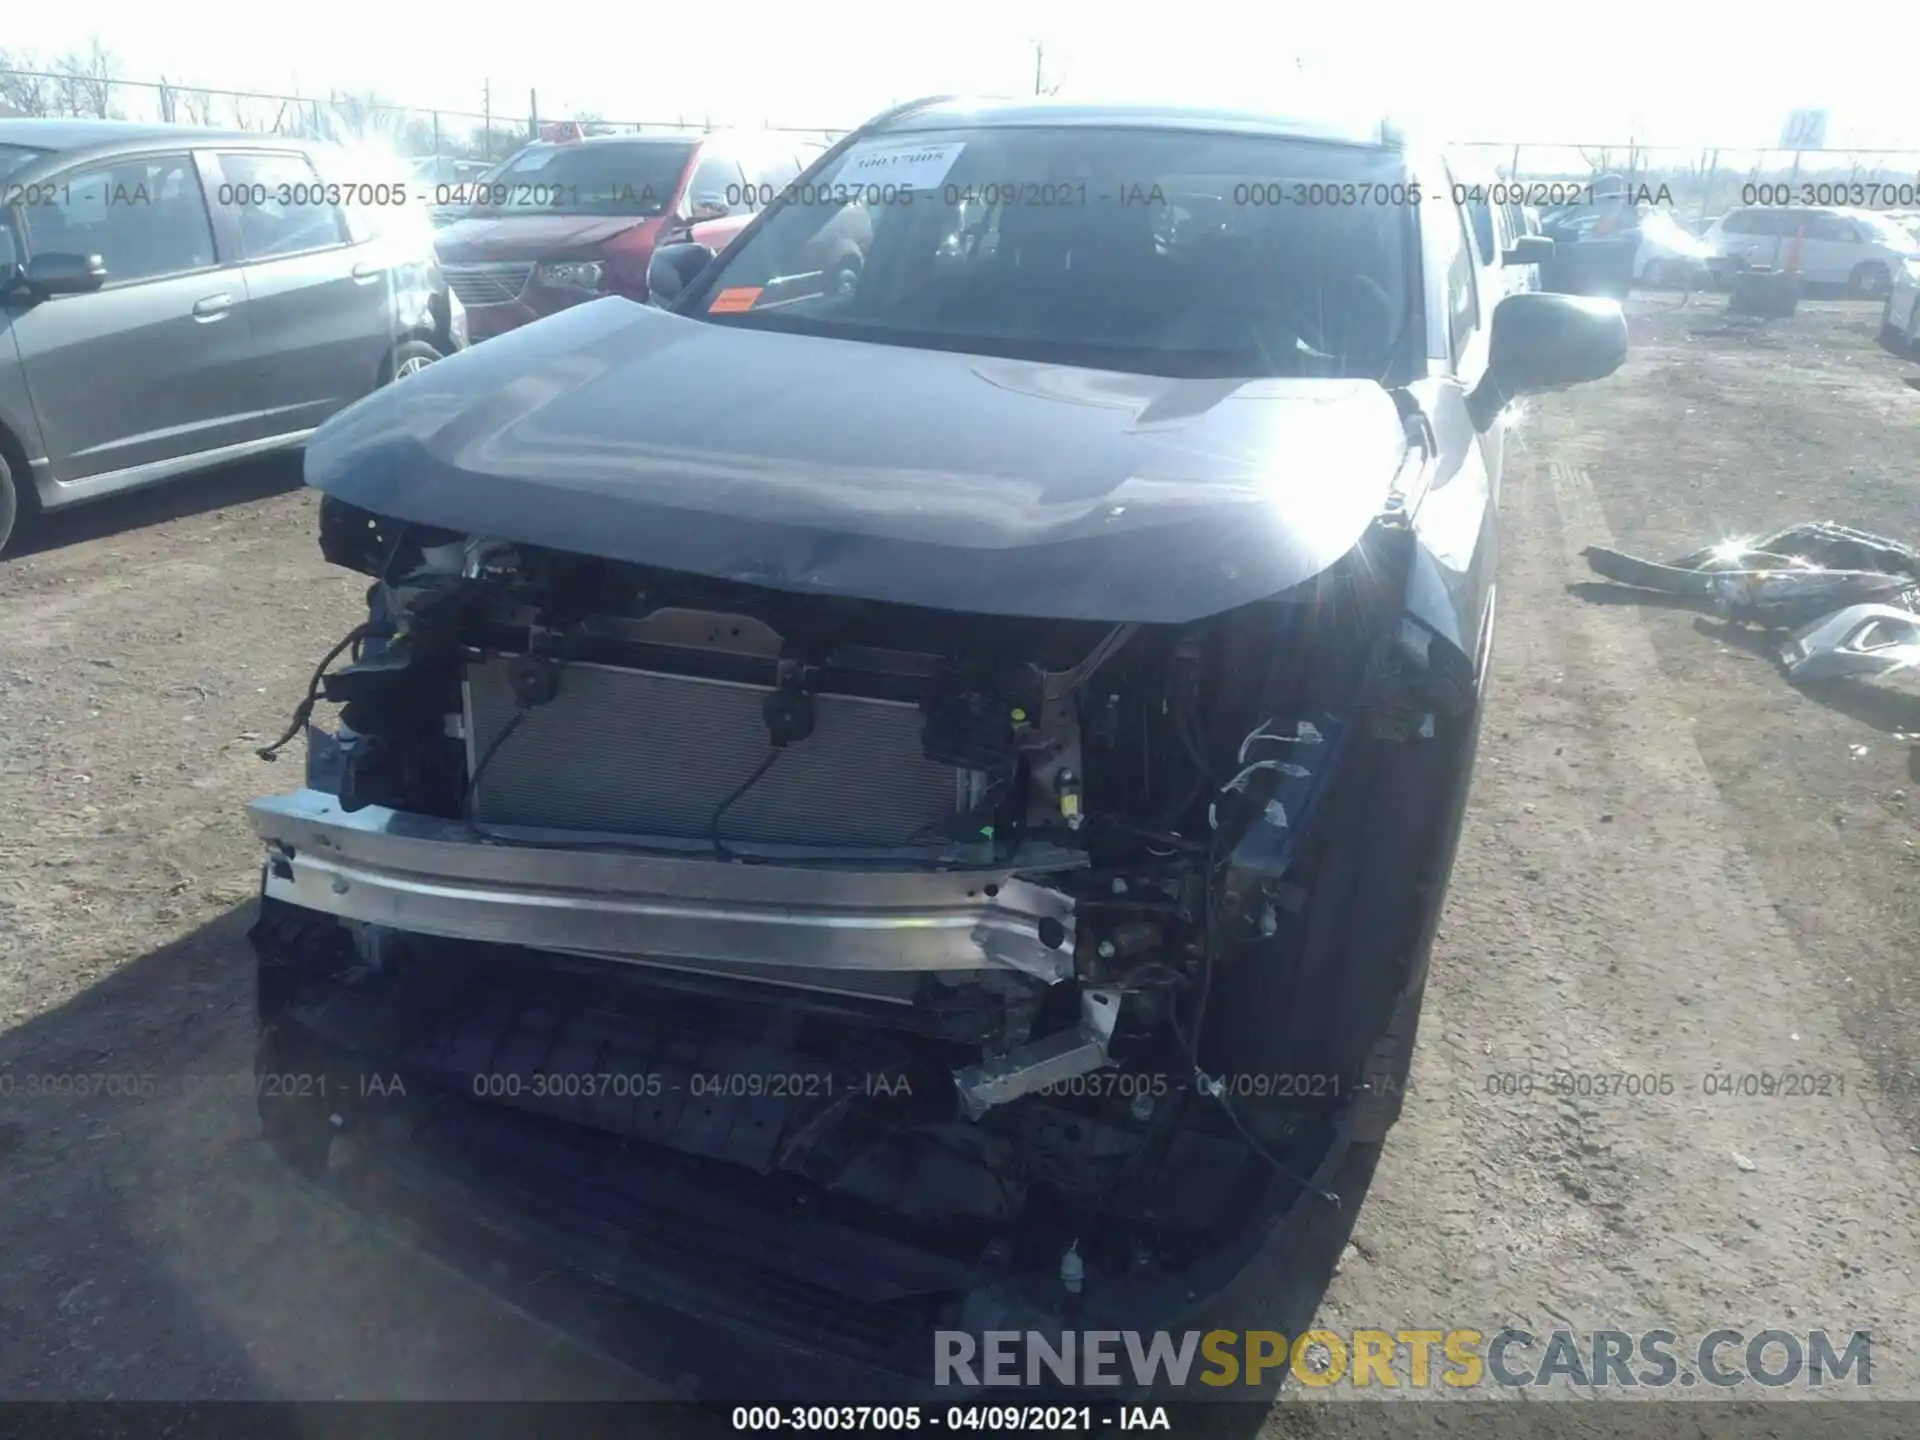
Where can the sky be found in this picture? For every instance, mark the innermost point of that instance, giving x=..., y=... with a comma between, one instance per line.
x=1664, y=73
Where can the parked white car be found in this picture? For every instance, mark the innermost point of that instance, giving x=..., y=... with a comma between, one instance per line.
x=1860, y=249
x=1900, y=321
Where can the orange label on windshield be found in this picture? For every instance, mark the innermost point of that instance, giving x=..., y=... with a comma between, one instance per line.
x=732, y=302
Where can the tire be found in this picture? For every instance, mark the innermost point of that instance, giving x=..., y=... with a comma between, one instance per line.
x=408, y=358
x=1656, y=275
x=18, y=507
x=1910, y=337
x=1870, y=279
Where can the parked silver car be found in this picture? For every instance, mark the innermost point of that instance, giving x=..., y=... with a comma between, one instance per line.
x=1860, y=249
x=173, y=297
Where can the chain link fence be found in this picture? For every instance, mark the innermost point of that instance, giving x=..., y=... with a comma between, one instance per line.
x=338, y=118
x=1694, y=182
x=1705, y=182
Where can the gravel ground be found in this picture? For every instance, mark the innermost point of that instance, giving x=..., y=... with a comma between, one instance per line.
x=1675, y=865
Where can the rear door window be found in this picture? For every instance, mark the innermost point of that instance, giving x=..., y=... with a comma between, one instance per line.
x=1481, y=214
x=145, y=218
x=1832, y=227
x=718, y=178
x=279, y=204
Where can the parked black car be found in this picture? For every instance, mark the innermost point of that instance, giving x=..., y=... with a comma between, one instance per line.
x=923, y=802
x=173, y=297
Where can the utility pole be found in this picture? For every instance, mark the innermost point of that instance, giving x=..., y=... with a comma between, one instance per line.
x=486, y=111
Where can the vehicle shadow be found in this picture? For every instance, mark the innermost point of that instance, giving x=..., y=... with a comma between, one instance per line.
x=1605, y=592
x=156, y=1250
x=236, y=484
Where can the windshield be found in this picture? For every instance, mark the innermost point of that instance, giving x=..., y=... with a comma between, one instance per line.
x=1162, y=252
x=585, y=180
x=14, y=157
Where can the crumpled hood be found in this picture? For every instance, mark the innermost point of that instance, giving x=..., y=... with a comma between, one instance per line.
x=479, y=239
x=877, y=471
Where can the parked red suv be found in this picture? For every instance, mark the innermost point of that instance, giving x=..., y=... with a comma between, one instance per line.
x=567, y=222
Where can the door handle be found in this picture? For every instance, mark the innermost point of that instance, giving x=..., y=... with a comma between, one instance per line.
x=363, y=272
x=212, y=307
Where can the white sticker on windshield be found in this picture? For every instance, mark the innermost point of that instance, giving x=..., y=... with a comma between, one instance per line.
x=902, y=166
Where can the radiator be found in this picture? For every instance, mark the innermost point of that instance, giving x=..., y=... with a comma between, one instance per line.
x=634, y=752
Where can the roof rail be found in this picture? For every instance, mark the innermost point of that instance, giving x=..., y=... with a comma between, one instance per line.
x=906, y=107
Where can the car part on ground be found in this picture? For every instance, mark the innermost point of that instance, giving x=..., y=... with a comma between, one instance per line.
x=1860, y=640
x=1854, y=592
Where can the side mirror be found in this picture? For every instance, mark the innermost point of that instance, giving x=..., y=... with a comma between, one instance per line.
x=672, y=268
x=706, y=207
x=61, y=272
x=1529, y=250
x=1544, y=342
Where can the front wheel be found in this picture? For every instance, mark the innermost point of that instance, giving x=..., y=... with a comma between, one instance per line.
x=1912, y=335
x=1870, y=279
x=16, y=505
x=408, y=358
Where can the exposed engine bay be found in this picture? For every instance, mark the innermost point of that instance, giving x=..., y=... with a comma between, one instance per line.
x=1027, y=952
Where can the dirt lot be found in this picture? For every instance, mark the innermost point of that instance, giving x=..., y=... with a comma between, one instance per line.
x=1675, y=865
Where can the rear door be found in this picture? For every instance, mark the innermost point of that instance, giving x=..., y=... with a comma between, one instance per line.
x=1833, y=246
x=1747, y=236
x=1470, y=298
x=318, y=303
x=156, y=366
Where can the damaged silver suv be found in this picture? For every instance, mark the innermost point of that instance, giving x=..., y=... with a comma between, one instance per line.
x=918, y=796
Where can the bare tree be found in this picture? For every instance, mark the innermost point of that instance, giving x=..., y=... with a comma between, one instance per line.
x=86, y=80
x=182, y=106
x=1044, y=83
x=193, y=107
x=503, y=140
x=23, y=87
x=245, y=117
x=363, y=117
